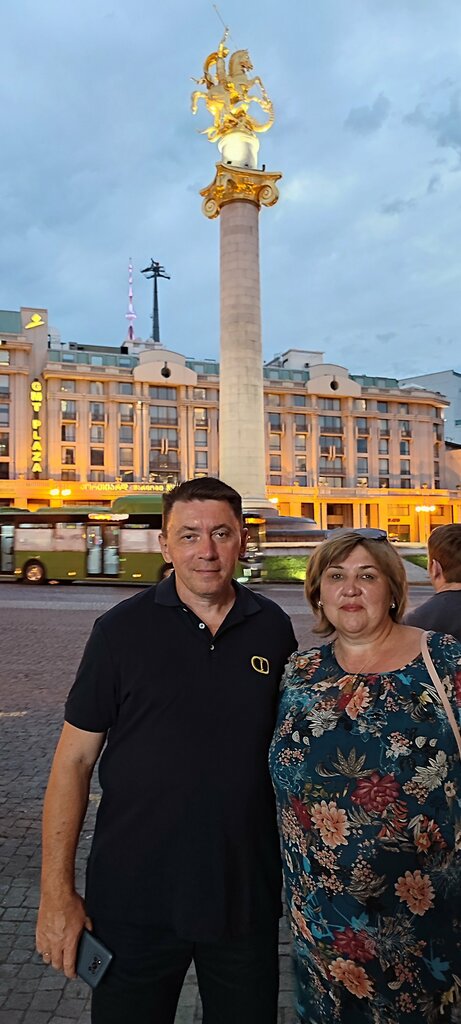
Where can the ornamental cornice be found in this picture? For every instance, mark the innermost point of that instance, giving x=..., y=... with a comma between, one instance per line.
x=239, y=183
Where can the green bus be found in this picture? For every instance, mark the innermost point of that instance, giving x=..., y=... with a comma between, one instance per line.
x=81, y=543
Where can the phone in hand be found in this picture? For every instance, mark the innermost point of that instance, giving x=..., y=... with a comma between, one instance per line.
x=93, y=958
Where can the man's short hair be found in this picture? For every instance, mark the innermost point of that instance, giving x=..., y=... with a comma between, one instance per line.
x=444, y=545
x=205, y=488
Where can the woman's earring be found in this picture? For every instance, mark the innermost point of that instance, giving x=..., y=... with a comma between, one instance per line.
x=393, y=605
x=319, y=604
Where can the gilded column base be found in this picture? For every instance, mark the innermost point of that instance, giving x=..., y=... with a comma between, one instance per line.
x=231, y=183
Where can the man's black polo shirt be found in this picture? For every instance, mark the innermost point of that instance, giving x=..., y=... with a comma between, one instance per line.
x=185, y=839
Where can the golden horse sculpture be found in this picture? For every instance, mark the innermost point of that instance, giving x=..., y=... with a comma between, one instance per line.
x=227, y=94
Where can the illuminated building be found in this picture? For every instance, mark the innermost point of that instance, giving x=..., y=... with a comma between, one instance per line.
x=344, y=449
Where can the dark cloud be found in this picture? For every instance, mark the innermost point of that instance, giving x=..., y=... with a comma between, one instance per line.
x=397, y=206
x=445, y=126
x=366, y=120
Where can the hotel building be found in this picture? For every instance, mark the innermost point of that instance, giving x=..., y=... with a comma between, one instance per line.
x=83, y=424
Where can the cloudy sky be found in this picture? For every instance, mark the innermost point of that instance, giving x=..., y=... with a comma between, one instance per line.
x=101, y=160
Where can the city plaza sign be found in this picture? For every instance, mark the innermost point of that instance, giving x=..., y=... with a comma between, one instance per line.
x=36, y=399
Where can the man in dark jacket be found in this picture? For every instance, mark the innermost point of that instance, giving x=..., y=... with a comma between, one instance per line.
x=442, y=612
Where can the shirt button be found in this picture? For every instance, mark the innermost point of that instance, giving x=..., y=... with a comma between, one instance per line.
x=201, y=625
x=211, y=647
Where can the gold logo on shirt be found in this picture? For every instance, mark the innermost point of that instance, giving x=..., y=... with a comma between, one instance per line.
x=260, y=664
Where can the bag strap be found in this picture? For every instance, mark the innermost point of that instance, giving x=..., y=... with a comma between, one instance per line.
x=440, y=689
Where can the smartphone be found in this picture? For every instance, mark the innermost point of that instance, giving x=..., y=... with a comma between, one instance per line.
x=93, y=958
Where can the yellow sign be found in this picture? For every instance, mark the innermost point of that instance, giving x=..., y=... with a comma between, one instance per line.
x=35, y=321
x=36, y=399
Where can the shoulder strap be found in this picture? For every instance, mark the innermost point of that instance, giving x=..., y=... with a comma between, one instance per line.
x=440, y=689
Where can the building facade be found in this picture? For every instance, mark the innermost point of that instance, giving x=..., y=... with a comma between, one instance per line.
x=83, y=424
x=448, y=383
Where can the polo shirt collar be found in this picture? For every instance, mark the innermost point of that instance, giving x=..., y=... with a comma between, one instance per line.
x=245, y=603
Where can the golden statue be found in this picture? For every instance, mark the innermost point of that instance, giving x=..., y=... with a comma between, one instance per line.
x=227, y=94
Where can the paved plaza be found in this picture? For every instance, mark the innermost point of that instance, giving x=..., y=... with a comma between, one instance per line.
x=42, y=638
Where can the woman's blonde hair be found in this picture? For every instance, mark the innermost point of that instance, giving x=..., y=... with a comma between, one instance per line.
x=334, y=551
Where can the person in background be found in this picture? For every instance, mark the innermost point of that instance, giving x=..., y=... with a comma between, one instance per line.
x=366, y=768
x=442, y=612
x=179, y=685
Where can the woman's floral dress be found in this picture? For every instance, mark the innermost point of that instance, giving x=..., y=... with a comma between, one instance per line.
x=368, y=781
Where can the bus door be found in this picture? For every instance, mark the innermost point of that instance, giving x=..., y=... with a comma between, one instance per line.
x=6, y=548
x=102, y=550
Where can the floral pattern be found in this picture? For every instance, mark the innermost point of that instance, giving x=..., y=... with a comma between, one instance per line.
x=368, y=782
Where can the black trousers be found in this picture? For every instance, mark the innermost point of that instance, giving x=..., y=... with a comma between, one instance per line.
x=237, y=979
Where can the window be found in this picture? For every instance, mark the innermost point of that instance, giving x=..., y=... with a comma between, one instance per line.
x=163, y=414
x=68, y=409
x=301, y=480
x=126, y=411
x=383, y=427
x=201, y=417
x=275, y=442
x=126, y=435
x=300, y=442
x=96, y=476
x=300, y=421
x=163, y=394
x=128, y=476
x=276, y=480
x=328, y=443
x=201, y=460
x=4, y=470
x=404, y=409
x=205, y=394
x=331, y=481
x=328, y=465
x=68, y=456
x=125, y=456
x=68, y=474
x=383, y=466
x=275, y=421
x=404, y=427
x=362, y=467
x=331, y=424
x=362, y=445
x=67, y=432
x=330, y=403
x=125, y=387
x=4, y=355
x=96, y=361
x=383, y=446
x=68, y=357
x=96, y=387
x=97, y=412
x=300, y=464
x=97, y=434
x=300, y=400
x=201, y=438
x=4, y=415
x=272, y=399
x=405, y=481
x=404, y=466
x=159, y=434
x=67, y=385
x=275, y=463
x=404, y=447
x=360, y=404
x=96, y=456
x=4, y=445
x=384, y=481
x=382, y=406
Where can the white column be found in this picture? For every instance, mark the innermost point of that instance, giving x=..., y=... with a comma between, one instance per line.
x=241, y=407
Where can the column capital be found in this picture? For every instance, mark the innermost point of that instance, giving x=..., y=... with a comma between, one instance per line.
x=234, y=183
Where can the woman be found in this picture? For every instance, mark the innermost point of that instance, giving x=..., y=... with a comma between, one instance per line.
x=368, y=779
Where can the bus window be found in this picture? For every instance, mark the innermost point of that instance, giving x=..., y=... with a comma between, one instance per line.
x=94, y=550
x=33, y=538
x=139, y=538
x=110, y=550
x=6, y=548
x=69, y=537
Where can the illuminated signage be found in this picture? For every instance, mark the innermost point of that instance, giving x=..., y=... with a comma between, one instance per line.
x=133, y=488
x=35, y=321
x=36, y=399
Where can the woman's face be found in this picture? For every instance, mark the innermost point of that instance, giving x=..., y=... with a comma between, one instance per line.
x=355, y=594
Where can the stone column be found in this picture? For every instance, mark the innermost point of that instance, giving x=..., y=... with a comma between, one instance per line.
x=236, y=195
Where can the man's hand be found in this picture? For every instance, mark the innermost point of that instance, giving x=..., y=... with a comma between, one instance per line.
x=59, y=927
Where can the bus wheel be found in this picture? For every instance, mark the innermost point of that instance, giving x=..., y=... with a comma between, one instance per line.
x=34, y=573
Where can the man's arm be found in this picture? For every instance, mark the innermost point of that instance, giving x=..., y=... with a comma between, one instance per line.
x=62, y=915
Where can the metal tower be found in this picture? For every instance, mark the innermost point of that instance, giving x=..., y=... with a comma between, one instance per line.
x=155, y=271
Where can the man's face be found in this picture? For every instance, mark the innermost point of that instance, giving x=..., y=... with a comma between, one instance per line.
x=204, y=540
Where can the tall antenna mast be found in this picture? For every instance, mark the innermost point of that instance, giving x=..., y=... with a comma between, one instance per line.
x=131, y=315
x=155, y=271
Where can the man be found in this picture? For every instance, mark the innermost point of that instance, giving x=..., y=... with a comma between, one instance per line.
x=442, y=612
x=182, y=681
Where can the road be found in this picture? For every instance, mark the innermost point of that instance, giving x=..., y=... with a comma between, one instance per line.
x=43, y=631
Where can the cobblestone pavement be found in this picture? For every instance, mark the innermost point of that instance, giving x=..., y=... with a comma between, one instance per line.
x=42, y=637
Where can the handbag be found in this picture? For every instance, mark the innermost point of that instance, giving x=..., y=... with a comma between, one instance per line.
x=440, y=689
